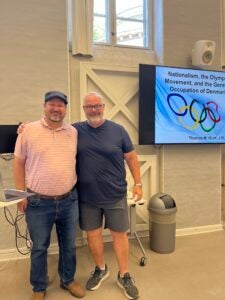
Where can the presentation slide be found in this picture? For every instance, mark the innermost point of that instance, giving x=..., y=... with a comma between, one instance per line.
x=189, y=106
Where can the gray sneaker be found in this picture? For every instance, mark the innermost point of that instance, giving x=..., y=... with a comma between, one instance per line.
x=127, y=284
x=97, y=276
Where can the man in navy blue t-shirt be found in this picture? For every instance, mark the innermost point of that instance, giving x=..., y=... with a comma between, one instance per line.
x=102, y=148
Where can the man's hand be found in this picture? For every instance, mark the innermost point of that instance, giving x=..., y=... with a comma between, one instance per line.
x=21, y=127
x=22, y=206
x=137, y=192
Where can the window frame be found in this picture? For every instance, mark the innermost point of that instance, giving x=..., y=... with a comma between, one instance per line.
x=111, y=26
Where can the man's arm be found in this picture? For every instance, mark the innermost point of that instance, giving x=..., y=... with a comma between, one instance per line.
x=19, y=177
x=132, y=161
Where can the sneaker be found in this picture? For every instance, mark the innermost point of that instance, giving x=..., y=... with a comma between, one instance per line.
x=97, y=276
x=127, y=284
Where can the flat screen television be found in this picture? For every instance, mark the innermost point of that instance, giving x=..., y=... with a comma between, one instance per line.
x=181, y=105
x=8, y=136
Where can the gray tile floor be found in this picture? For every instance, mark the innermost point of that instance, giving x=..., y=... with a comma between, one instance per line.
x=194, y=271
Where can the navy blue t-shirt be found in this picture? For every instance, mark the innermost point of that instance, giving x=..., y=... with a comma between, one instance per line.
x=100, y=162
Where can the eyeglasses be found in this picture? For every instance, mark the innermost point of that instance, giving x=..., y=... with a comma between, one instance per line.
x=90, y=107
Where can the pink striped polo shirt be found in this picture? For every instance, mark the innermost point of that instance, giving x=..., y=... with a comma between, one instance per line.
x=50, y=157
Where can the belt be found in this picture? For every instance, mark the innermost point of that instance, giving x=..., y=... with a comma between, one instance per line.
x=58, y=197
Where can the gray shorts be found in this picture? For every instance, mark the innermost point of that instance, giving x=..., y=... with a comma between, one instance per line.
x=116, y=216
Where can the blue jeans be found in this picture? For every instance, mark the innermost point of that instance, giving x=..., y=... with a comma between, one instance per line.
x=41, y=215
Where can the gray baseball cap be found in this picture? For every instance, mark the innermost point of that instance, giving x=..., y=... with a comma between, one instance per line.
x=56, y=94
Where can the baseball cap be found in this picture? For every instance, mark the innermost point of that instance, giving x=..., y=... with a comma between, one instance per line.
x=56, y=94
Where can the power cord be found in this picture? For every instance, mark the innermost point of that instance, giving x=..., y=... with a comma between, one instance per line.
x=15, y=222
x=18, y=218
x=7, y=156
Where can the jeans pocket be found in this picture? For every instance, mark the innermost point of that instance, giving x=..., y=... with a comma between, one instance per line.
x=33, y=201
x=74, y=195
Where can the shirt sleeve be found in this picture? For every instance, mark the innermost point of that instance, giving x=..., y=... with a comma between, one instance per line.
x=127, y=145
x=20, y=147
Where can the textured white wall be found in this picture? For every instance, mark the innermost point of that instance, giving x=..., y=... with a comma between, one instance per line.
x=192, y=176
x=33, y=55
x=186, y=22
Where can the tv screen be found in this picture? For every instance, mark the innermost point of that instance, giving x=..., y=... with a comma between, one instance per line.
x=8, y=136
x=181, y=106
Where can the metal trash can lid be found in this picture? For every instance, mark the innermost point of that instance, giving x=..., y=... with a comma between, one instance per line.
x=162, y=202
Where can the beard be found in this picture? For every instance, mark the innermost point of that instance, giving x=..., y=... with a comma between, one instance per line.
x=95, y=120
x=55, y=117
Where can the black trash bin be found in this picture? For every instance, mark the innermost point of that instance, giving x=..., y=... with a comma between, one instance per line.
x=162, y=223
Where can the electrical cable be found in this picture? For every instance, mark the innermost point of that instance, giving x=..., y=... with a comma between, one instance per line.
x=18, y=218
x=7, y=156
x=18, y=235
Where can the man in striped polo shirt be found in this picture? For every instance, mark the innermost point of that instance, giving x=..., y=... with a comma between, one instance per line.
x=45, y=159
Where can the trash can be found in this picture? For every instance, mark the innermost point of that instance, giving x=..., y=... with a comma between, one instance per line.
x=162, y=223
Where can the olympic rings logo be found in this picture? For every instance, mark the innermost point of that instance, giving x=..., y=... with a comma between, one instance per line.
x=199, y=113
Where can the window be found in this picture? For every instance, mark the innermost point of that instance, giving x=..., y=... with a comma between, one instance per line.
x=101, y=21
x=124, y=23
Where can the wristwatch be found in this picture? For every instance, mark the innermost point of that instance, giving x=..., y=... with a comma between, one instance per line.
x=138, y=184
